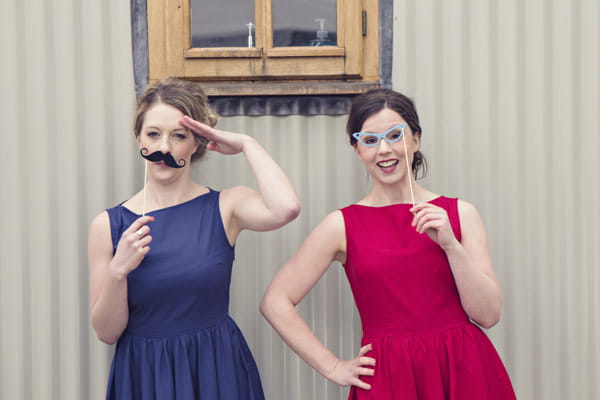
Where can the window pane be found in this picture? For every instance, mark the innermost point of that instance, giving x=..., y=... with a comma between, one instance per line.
x=222, y=23
x=304, y=23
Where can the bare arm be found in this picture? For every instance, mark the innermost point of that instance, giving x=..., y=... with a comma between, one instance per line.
x=293, y=281
x=469, y=259
x=109, y=311
x=274, y=205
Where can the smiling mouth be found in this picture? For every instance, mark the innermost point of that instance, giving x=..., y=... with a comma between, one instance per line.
x=387, y=163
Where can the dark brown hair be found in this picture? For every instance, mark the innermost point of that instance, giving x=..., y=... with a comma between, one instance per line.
x=186, y=96
x=371, y=102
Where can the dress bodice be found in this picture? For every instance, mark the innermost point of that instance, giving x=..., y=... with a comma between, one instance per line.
x=182, y=284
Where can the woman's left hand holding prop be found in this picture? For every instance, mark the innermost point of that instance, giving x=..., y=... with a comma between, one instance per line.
x=220, y=141
x=434, y=221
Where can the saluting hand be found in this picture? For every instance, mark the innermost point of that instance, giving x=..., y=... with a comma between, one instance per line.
x=220, y=141
x=434, y=221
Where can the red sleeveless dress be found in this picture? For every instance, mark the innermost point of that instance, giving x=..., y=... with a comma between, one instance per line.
x=424, y=344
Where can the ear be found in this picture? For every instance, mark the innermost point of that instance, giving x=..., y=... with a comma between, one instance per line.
x=416, y=139
x=197, y=143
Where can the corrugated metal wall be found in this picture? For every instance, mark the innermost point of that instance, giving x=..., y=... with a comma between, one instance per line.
x=508, y=94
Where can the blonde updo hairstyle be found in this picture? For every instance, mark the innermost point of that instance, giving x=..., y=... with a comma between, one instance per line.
x=186, y=96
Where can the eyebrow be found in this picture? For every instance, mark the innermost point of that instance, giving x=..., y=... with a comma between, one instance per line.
x=398, y=126
x=174, y=130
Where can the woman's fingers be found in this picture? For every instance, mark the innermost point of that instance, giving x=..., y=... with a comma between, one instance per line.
x=366, y=361
x=144, y=241
x=220, y=141
x=363, y=385
x=139, y=223
x=212, y=146
x=201, y=129
x=427, y=217
x=138, y=229
x=364, y=365
x=138, y=234
x=429, y=220
x=144, y=230
x=418, y=211
x=365, y=349
x=365, y=371
x=143, y=247
x=196, y=126
x=419, y=206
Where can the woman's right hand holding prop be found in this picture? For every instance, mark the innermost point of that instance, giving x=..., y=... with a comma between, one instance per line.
x=132, y=247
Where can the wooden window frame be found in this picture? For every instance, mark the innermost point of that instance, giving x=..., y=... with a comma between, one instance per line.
x=351, y=68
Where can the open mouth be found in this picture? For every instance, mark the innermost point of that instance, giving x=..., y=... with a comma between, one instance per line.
x=387, y=163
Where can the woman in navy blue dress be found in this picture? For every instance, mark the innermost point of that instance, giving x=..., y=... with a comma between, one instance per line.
x=160, y=262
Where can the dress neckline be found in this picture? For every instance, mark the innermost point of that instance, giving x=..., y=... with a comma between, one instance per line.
x=168, y=207
x=432, y=201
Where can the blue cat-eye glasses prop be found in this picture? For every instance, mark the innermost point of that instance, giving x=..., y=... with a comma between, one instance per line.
x=392, y=135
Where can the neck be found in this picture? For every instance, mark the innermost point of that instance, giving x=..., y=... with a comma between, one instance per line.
x=165, y=194
x=393, y=194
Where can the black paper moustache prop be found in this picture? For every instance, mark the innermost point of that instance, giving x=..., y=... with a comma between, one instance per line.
x=160, y=156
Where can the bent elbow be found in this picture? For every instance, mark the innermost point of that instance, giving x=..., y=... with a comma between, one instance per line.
x=266, y=306
x=490, y=320
x=295, y=210
x=108, y=339
x=273, y=306
x=291, y=212
x=489, y=323
x=104, y=334
x=285, y=215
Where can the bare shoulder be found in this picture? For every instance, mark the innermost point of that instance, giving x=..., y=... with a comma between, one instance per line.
x=99, y=233
x=236, y=192
x=466, y=209
x=334, y=222
x=332, y=230
x=100, y=223
x=470, y=219
x=231, y=196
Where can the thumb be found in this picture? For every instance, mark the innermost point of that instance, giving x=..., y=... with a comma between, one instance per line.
x=211, y=146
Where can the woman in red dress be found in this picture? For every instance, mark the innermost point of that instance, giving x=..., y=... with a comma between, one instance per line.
x=420, y=271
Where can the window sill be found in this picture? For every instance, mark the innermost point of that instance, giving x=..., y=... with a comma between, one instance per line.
x=313, y=88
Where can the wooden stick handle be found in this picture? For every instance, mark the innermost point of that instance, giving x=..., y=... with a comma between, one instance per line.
x=408, y=171
x=145, y=185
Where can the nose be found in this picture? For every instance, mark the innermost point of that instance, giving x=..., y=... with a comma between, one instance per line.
x=384, y=147
x=164, y=145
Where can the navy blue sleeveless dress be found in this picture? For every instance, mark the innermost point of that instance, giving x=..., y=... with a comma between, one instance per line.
x=180, y=343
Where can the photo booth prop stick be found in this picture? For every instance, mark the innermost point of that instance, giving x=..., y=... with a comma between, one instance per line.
x=145, y=186
x=408, y=170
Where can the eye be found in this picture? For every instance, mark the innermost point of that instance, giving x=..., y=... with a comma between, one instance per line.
x=179, y=136
x=395, y=135
x=152, y=134
x=370, y=140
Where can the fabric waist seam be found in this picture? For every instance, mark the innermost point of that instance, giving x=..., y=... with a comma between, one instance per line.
x=213, y=323
x=422, y=333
